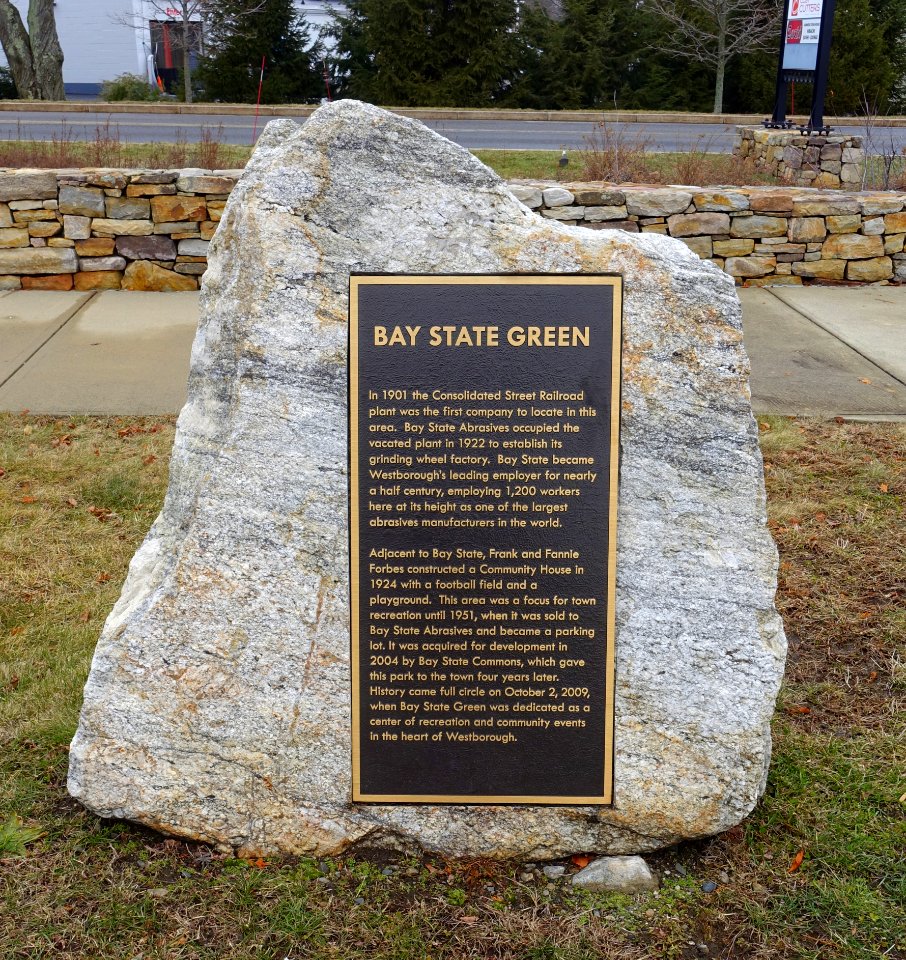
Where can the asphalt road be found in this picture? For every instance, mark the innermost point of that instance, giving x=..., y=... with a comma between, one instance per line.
x=472, y=133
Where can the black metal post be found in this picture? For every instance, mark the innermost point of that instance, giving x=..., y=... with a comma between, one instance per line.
x=778, y=119
x=817, y=76
x=819, y=90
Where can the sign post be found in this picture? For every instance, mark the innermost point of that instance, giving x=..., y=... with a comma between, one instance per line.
x=805, y=40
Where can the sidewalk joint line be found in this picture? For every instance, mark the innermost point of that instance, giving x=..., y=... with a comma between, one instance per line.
x=836, y=336
x=66, y=318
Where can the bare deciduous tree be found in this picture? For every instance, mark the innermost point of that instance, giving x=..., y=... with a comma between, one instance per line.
x=712, y=32
x=189, y=12
x=34, y=55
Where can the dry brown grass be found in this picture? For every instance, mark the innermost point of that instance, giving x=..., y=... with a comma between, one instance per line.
x=615, y=154
x=842, y=583
x=76, y=497
x=106, y=148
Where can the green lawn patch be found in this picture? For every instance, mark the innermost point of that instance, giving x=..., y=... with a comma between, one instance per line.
x=76, y=497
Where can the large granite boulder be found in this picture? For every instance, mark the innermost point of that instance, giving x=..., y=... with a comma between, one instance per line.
x=218, y=705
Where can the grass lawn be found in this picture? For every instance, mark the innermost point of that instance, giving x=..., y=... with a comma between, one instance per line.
x=818, y=870
x=611, y=152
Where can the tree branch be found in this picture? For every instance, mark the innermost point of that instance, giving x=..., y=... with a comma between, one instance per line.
x=698, y=25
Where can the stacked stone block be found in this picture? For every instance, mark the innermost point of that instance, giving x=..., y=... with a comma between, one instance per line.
x=804, y=160
x=108, y=229
x=150, y=229
x=759, y=235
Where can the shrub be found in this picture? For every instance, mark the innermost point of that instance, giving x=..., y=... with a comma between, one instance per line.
x=612, y=154
x=8, y=89
x=129, y=86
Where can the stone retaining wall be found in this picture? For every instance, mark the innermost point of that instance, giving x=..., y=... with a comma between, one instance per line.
x=803, y=159
x=108, y=229
x=149, y=229
x=759, y=235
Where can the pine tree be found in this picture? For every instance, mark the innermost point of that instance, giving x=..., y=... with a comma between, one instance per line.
x=427, y=52
x=602, y=54
x=239, y=34
x=868, y=56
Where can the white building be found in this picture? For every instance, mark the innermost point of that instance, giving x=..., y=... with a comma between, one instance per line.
x=102, y=39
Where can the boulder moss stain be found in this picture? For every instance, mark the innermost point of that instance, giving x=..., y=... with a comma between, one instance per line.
x=381, y=193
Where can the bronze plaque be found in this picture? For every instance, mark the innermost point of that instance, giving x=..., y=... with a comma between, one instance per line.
x=484, y=453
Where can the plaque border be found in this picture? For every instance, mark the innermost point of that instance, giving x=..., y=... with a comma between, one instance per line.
x=613, y=280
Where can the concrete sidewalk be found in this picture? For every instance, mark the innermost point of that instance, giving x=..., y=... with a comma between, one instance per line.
x=815, y=351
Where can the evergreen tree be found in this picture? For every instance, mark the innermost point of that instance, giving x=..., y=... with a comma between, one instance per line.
x=868, y=56
x=603, y=54
x=239, y=34
x=427, y=52
x=576, y=68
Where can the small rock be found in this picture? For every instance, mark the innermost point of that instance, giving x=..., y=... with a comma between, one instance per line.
x=709, y=886
x=621, y=874
x=702, y=949
x=680, y=869
x=526, y=877
x=359, y=901
x=158, y=892
x=723, y=876
x=388, y=871
x=553, y=871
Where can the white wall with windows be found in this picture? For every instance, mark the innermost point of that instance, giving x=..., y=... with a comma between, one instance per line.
x=102, y=39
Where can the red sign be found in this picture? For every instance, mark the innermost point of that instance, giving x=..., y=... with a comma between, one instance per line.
x=793, y=31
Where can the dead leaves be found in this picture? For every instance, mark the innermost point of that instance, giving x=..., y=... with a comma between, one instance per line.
x=134, y=429
x=797, y=862
x=104, y=514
